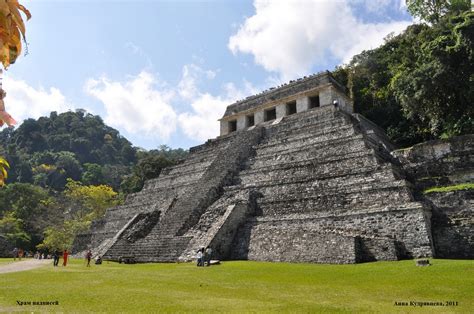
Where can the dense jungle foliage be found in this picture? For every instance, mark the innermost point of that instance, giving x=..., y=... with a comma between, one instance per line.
x=419, y=85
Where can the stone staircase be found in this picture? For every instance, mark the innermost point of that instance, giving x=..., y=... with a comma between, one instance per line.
x=205, y=174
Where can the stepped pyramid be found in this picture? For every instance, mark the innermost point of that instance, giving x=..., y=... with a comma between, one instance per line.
x=292, y=177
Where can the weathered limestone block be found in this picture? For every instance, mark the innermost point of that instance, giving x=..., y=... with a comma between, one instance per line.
x=440, y=162
x=259, y=115
x=280, y=110
x=271, y=242
x=453, y=223
x=241, y=123
x=302, y=104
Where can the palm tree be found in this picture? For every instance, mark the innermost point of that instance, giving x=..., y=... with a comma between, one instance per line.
x=12, y=33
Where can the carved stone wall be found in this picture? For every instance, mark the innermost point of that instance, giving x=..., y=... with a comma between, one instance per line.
x=443, y=163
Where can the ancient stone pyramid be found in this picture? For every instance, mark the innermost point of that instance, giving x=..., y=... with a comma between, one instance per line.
x=294, y=176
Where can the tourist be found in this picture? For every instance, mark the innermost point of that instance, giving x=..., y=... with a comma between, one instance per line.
x=335, y=103
x=199, y=257
x=20, y=254
x=208, y=255
x=98, y=260
x=55, y=258
x=88, y=257
x=15, y=254
x=65, y=255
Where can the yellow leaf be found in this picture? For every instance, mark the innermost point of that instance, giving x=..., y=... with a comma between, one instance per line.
x=12, y=30
x=3, y=171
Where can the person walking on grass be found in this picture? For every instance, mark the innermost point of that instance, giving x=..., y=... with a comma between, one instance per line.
x=88, y=258
x=65, y=255
x=200, y=257
x=15, y=254
x=20, y=254
x=55, y=258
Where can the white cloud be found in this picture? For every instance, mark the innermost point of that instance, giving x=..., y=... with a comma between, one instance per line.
x=142, y=107
x=289, y=37
x=192, y=76
x=201, y=124
x=24, y=101
x=138, y=105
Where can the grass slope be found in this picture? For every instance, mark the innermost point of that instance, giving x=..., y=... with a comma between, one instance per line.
x=458, y=187
x=242, y=287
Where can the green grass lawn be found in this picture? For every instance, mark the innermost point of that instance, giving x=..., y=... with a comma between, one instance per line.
x=242, y=287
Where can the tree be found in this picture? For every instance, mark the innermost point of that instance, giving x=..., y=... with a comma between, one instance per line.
x=94, y=200
x=92, y=174
x=433, y=10
x=436, y=88
x=61, y=237
x=32, y=206
x=91, y=203
x=11, y=230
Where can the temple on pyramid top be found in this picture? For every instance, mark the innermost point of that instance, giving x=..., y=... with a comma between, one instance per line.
x=303, y=94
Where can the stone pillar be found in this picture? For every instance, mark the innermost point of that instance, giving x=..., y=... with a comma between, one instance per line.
x=258, y=117
x=241, y=122
x=224, y=127
x=326, y=96
x=280, y=110
x=302, y=104
x=350, y=106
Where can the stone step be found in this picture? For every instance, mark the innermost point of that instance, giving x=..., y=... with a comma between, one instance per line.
x=307, y=117
x=163, y=249
x=327, y=188
x=309, y=138
x=322, y=154
x=328, y=178
x=176, y=181
x=308, y=158
x=315, y=144
x=320, y=126
x=281, y=131
x=187, y=167
x=308, y=202
x=312, y=167
x=146, y=200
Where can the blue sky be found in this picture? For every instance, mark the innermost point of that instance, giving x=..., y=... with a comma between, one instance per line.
x=162, y=72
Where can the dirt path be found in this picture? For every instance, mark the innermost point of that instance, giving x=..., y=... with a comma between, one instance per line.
x=23, y=265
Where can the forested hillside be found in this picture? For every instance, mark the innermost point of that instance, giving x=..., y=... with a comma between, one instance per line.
x=419, y=85
x=72, y=145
